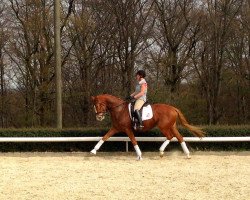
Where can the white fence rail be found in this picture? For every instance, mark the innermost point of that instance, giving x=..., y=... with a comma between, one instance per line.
x=122, y=139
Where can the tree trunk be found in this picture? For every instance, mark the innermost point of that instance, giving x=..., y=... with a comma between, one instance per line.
x=2, y=91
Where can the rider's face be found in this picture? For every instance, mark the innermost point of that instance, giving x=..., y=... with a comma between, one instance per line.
x=138, y=77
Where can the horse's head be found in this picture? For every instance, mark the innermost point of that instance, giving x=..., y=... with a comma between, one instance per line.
x=100, y=107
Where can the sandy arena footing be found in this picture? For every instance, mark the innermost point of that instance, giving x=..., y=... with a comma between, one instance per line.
x=78, y=175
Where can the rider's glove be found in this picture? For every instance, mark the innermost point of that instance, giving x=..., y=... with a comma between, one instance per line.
x=129, y=98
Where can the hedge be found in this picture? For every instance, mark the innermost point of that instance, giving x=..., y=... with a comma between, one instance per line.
x=211, y=131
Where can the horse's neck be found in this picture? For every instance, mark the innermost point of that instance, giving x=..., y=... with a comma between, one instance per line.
x=113, y=101
x=115, y=107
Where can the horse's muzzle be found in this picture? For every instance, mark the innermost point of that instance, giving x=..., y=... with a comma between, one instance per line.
x=100, y=117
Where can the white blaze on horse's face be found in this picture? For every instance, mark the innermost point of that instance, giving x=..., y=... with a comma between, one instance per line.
x=95, y=109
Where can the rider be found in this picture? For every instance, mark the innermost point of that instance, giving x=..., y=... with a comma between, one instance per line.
x=140, y=94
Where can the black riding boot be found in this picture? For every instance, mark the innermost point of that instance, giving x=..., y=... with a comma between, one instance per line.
x=137, y=114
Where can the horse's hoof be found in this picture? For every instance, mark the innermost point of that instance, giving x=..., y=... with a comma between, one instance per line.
x=161, y=153
x=93, y=152
x=139, y=158
x=188, y=156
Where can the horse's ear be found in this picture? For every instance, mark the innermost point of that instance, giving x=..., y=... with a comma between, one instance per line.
x=93, y=98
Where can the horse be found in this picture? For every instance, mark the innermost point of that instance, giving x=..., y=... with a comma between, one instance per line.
x=164, y=117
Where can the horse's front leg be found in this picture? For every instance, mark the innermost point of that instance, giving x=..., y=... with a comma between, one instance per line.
x=110, y=133
x=134, y=142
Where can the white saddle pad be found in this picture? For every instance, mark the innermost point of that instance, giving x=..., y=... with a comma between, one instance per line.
x=147, y=112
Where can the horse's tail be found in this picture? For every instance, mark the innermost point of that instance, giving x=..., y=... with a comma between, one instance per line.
x=195, y=130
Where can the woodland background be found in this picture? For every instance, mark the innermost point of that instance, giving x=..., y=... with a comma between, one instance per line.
x=196, y=54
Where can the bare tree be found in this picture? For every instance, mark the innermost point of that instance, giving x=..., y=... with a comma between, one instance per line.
x=131, y=32
x=238, y=54
x=193, y=51
x=3, y=41
x=91, y=44
x=210, y=61
x=176, y=32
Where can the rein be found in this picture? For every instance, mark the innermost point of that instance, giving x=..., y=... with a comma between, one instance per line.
x=109, y=109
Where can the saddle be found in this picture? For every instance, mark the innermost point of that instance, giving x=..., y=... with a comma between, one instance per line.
x=146, y=112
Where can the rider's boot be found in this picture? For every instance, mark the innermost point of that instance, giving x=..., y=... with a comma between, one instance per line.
x=137, y=113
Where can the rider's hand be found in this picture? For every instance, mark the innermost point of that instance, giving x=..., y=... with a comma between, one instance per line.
x=129, y=98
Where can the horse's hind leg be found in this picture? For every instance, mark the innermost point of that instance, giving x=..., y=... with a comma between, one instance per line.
x=169, y=136
x=180, y=140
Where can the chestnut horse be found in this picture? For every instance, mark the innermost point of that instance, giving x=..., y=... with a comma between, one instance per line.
x=164, y=116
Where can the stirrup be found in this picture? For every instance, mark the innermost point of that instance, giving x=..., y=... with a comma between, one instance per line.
x=138, y=127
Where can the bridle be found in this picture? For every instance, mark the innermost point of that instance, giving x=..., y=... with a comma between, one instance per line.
x=108, y=109
x=98, y=113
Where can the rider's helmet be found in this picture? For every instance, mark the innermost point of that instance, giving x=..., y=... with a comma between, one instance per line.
x=141, y=73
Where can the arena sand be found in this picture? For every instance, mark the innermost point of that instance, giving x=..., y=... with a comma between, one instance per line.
x=207, y=175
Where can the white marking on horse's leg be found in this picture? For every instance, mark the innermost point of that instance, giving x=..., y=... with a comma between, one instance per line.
x=97, y=146
x=163, y=147
x=185, y=149
x=138, y=152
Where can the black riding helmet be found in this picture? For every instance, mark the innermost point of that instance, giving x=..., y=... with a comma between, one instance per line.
x=141, y=73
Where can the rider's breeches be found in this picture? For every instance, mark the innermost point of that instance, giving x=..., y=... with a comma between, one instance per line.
x=138, y=104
